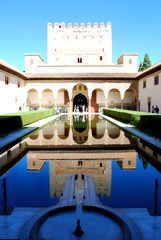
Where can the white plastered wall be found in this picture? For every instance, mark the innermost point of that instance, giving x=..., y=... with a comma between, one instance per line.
x=12, y=97
x=151, y=91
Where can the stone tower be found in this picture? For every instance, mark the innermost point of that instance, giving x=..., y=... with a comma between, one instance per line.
x=85, y=45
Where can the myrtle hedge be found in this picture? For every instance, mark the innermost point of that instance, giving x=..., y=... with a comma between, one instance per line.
x=145, y=121
x=13, y=121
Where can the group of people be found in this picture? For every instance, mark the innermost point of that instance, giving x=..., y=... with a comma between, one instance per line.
x=80, y=108
x=155, y=109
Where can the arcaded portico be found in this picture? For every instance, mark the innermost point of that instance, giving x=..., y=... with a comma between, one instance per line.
x=89, y=95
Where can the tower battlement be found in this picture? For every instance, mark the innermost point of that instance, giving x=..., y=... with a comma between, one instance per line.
x=79, y=44
x=82, y=25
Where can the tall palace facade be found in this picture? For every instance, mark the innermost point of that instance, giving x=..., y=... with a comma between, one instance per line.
x=79, y=75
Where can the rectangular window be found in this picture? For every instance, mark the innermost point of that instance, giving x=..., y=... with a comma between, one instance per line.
x=100, y=58
x=6, y=80
x=156, y=80
x=144, y=84
x=79, y=60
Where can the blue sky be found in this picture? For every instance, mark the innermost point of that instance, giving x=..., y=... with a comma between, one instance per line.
x=136, y=25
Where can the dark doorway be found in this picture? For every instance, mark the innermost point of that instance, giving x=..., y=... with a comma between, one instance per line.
x=80, y=103
x=149, y=104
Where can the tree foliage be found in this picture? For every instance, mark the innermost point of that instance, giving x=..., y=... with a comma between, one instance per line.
x=145, y=64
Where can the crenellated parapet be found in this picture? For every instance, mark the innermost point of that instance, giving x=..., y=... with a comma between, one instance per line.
x=79, y=43
x=81, y=25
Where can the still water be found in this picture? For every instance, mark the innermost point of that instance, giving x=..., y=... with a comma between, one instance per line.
x=83, y=145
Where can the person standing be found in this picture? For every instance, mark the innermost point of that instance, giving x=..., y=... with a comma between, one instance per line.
x=156, y=109
x=153, y=109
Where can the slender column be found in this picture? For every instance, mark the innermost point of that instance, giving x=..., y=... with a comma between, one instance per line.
x=106, y=92
x=40, y=98
x=89, y=105
x=122, y=93
x=70, y=106
x=55, y=98
x=122, y=104
x=106, y=103
x=70, y=93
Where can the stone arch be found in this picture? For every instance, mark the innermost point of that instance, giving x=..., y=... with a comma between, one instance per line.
x=47, y=99
x=80, y=97
x=98, y=100
x=63, y=99
x=63, y=127
x=113, y=131
x=48, y=132
x=98, y=128
x=129, y=101
x=80, y=88
x=34, y=136
x=33, y=100
x=80, y=128
x=80, y=103
x=114, y=98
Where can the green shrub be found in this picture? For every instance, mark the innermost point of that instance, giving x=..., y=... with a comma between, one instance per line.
x=126, y=116
x=12, y=121
x=149, y=122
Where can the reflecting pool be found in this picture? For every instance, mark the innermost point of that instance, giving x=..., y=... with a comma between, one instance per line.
x=123, y=168
x=78, y=131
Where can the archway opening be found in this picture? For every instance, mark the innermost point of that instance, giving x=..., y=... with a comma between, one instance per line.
x=97, y=100
x=33, y=101
x=47, y=99
x=114, y=98
x=129, y=101
x=62, y=100
x=80, y=103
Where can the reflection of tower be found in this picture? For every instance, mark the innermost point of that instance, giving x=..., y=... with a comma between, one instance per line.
x=52, y=177
x=57, y=179
x=34, y=163
x=96, y=164
x=128, y=162
x=103, y=181
x=100, y=170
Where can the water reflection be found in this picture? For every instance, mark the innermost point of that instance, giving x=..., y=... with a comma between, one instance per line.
x=98, y=127
x=119, y=176
x=48, y=132
x=80, y=128
x=113, y=131
x=147, y=154
x=80, y=123
x=96, y=164
x=119, y=172
x=87, y=130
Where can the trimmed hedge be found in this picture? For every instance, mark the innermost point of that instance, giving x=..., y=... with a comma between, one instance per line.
x=12, y=121
x=150, y=122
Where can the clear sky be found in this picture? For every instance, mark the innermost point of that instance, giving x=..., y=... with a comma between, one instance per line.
x=136, y=25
